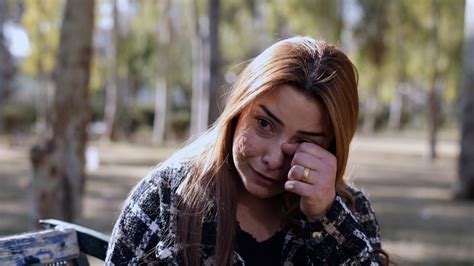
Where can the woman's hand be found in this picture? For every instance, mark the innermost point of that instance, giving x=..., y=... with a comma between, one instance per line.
x=318, y=193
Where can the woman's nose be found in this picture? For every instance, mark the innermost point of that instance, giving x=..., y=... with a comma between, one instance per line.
x=274, y=158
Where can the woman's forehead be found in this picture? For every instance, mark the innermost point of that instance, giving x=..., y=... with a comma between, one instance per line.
x=288, y=104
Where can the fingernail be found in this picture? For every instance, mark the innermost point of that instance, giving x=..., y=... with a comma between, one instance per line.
x=289, y=185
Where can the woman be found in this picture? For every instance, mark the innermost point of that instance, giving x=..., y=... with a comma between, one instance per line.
x=264, y=185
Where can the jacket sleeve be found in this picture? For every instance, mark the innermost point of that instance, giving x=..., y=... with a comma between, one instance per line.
x=344, y=237
x=137, y=232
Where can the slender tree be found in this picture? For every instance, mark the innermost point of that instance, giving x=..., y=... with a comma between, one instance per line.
x=443, y=51
x=206, y=67
x=7, y=68
x=371, y=32
x=433, y=90
x=164, y=38
x=200, y=71
x=400, y=17
x=58, y=163
x=112, y=88
x=215, y=79
x=465, y=188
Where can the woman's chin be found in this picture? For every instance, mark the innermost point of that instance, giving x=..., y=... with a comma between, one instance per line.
x=263, y=193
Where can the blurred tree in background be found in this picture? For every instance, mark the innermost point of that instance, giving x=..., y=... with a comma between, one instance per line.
x=465, y=187
x=112, y=88
x=7, y=68
x=198, y=54
x=161, y=69
x=58, y=176
x=42, y=22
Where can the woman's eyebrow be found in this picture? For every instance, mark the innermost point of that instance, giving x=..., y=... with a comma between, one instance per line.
x=270, y=114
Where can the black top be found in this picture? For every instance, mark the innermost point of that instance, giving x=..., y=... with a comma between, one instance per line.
x=253, y=252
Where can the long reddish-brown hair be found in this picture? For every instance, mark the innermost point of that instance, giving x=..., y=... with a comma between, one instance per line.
x=316, y=69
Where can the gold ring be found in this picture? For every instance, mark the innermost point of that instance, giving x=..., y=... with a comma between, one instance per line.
x=305, y=176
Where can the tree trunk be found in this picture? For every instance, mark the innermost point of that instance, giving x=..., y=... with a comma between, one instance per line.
x=58, y=163
x=164, y=36
x=43, y=102
x=433, y=97
x=214, y=60
x=372, y=107
x=396, y=107
x=159, y=121
x=396, y=104
x=112, y=88
x=7, y=68
x=375, y=14
x=465, y=187
x=434, y=113
x=200, y=92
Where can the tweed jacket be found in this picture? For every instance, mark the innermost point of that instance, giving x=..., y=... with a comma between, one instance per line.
x=148, y=222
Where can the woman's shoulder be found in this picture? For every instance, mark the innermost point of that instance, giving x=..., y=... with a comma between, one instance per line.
x=147, y=214
x=169, y=173
x=158, y=185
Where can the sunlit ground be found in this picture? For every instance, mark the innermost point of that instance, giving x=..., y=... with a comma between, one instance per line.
x=421, y=223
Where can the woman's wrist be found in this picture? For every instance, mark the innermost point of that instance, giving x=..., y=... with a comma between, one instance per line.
x=318, y=216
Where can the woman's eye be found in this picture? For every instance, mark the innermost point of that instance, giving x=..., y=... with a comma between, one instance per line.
x=303, y=141
x=264, y=124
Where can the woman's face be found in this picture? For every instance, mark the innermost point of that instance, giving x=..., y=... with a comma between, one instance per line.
x=281, y=116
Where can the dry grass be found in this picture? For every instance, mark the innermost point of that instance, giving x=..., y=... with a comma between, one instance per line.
x=421, y=223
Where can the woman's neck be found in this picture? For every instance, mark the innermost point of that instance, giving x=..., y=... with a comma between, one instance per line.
x=259, y=217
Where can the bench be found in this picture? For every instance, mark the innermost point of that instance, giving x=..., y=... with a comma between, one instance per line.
x=61, y=243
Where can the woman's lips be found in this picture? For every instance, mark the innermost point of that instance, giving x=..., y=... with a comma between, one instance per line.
x=267, y=180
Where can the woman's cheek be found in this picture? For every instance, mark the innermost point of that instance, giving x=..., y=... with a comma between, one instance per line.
x=244, y=143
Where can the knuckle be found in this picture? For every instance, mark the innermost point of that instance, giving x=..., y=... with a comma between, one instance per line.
x=297, y=158
x=305, y=146
x=293, y=173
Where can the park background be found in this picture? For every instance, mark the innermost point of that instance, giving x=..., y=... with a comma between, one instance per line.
x=109, y=88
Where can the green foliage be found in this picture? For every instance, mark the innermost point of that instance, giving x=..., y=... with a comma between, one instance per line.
x=141, y=45
x=42, y=19
x=409, y=44
x=316, y=18
x=451, y=39
x=139, y=50
x=235, y=31
x=393, y=41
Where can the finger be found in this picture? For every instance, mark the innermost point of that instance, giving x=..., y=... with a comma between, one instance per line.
x=310, y=161
x=290, y=148
x=314, y=149
x=313, y=162
x=299, y=188
x=296, y=173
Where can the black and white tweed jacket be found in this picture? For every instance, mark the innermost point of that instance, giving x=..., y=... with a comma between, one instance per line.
x=148, y=222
